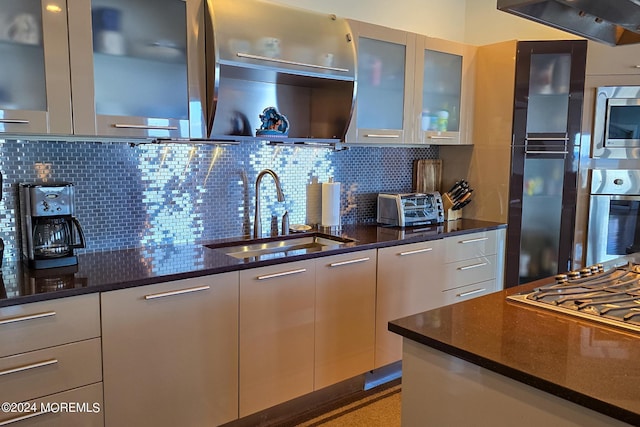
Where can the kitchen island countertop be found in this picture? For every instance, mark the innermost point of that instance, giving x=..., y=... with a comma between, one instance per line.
x=590, y=364
x=110, y=270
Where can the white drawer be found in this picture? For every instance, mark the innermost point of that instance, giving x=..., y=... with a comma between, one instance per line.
x=469, y=246
x=40, y=373
x=37, y=325
x=474, y=290
x=89, y=414
x=469, y=271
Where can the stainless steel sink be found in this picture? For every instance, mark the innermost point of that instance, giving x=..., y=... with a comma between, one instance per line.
x=280, y=246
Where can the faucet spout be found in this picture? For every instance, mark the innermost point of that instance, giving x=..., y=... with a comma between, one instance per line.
x=257, y=226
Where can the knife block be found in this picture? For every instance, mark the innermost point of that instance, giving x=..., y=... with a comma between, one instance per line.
x=449, y=213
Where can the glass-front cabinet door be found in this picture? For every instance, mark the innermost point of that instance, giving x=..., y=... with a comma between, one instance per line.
x=439, y=91
x=35, y=90
x=130, y=68
x=384, y=85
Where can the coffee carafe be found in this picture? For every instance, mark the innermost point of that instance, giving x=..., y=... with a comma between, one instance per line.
x=50, y=232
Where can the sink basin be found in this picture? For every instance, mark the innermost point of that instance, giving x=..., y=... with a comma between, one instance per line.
x=278, y=247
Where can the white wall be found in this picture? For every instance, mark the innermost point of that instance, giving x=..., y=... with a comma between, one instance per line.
x=476, y=22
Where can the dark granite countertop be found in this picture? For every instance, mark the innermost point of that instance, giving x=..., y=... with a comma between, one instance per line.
x=594, y=365
x=105, y=271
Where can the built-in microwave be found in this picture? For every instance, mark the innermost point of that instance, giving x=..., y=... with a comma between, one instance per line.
x=616, y=126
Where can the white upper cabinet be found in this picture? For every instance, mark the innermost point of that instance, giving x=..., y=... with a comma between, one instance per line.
x=35, y=90
x=443, y=91
x=384, y=85
x=110, y=68
x=135, y=67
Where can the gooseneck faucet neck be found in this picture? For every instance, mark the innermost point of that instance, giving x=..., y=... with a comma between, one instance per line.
x=257, y=226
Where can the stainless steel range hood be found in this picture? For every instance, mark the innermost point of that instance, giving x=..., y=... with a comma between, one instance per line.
x=613, y=22
x=260, y=54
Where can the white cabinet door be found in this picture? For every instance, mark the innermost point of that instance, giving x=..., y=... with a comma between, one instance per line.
x=409, y=282
x=277, y=306
x=345, y=316
x=170, y=353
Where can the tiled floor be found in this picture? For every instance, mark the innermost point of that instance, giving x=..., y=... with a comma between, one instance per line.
x=378, y=410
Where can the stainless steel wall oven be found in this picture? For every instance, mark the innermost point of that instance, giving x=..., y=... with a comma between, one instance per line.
x=614, y=214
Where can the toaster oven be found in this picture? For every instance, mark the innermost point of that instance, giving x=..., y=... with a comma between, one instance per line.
x=408, y=209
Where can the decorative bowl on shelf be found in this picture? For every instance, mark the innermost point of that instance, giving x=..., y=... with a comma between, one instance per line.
x=274, y=124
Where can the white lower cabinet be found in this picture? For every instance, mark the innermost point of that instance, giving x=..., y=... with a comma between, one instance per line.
x=277, y=315
x=345, y=316
x=170, y=353
x=409, y=281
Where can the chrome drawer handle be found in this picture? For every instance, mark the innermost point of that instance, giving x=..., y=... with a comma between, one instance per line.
x=566, y=138
x=376, y=135
x=16, y=121
x=469, y=267
x=177, y=292
x=288, y=62
x=284, y=273
x=351, y=261
x=22, y=418
x=27, y=317
x=545, y=152
x=439, y=137
x=479, y=239
x=475, y=291
x=28, y=367
x=151, y=127
x=417, y=251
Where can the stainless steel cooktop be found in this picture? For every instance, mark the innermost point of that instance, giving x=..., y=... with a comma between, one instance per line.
x=611, y=296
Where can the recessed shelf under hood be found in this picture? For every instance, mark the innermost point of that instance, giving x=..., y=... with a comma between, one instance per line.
x=263, y=55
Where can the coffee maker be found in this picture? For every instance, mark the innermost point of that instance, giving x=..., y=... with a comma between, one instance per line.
x=49, y=228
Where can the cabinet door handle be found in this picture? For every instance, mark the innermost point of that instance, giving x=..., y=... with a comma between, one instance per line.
x=566, y=138
x=479, y=239
x=28, y=367
x=27, y=317
x=177, y=292
x=544, y=152
x=469, y=267
x=22, y=418
x=376, y=135
x=475, y=291
x=150, y=127
x=439, y=137
x=288, y=62
x=351, y=261
x=16, y=121
x=284, y=273
x=417, y=251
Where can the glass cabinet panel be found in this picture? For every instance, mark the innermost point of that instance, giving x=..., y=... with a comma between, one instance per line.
x=22, y=74
x=381, y=84
x=549, y=93
x=441, y=94
x=139, y=61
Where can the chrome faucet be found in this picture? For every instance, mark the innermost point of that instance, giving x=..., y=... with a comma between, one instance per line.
x=257, y=227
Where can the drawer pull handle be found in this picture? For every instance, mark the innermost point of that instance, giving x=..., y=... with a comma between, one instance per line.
x=15, y=121
x=27, y=317
x=351, y=261
x=469, y=267
x=417, y=251
x=284, y=273
x=177, y=292
x=28, y=367
x=380, y=135
x=151, y=127
x=22, y=418
x=439, y=137
x=479, y=239
x=475, y=291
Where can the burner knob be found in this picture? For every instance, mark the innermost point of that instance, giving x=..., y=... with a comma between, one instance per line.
x=585, y=272
x=573, y=275
x=594, y=269
x=561, y=278
x=600, y=267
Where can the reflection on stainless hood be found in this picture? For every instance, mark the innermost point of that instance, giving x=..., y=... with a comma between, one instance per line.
x=613, y=22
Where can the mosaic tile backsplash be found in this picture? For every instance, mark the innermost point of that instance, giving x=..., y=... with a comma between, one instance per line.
x=154, y=194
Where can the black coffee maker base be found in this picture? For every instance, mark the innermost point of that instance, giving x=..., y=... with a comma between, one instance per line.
x=53, y=262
